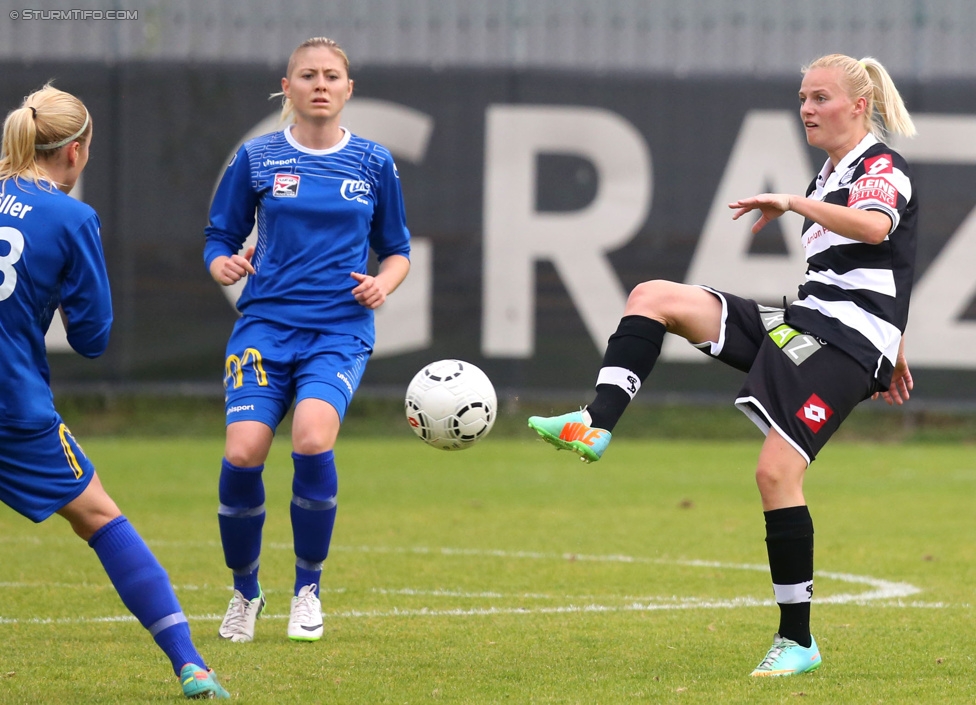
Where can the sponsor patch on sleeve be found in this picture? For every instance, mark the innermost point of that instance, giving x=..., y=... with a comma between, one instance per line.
x=873, y=189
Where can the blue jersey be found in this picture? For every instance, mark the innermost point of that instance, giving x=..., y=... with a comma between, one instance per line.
x=318, y=214
x=50, y=255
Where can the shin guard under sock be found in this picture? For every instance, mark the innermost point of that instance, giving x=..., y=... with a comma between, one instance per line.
x=630, y=356
x=145, y=589
x=313, y=510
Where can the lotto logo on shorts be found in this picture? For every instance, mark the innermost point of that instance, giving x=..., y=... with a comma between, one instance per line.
x=286, y=185
x=814, y=413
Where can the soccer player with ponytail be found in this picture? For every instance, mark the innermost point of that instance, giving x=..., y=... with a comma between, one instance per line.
x=322, y=198
x=53, y=262
x=811, y=362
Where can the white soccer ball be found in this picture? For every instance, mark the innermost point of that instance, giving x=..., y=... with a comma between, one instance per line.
x=451, y=404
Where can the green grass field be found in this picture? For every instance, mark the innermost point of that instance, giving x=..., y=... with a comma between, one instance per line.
x=513, y=573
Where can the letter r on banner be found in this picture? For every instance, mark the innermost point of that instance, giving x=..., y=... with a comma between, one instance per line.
x=516, y=236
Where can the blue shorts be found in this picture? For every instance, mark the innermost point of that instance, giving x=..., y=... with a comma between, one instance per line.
x=41, y=471
x=270, y=366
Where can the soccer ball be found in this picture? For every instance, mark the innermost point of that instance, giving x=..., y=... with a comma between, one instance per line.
x=451, y=404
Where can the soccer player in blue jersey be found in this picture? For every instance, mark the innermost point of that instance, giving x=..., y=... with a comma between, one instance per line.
x=810, y=363
x=52, y=262
x=322, y=198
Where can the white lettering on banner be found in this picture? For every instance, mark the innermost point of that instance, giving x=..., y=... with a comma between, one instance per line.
x=769, y=154
x=403, y=322
x=936, y=336
x=516, y=236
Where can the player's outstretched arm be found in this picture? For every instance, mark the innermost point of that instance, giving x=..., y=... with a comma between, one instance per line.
x=770, y=205
x=869, y=226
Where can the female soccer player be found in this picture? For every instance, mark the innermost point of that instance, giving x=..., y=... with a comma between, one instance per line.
x=807, y=364
x=322, y=198
x=53, y=259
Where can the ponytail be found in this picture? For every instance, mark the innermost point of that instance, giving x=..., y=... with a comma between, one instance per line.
x=46, y=121
x=889, y=106
x=19, y=137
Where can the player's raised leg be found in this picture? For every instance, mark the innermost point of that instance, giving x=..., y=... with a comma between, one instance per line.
x=653, y=309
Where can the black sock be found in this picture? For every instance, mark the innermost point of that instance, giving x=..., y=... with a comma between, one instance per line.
x=789, y=543
x=631, y=353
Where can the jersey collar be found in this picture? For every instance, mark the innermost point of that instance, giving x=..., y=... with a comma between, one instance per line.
x=346, y=134
x=844, y=165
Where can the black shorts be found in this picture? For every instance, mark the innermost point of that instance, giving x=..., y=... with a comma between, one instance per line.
x=795, y=383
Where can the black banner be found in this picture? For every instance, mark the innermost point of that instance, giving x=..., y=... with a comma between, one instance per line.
x=536, y=200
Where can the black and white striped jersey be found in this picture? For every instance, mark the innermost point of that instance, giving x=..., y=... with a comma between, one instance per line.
x=856, y=295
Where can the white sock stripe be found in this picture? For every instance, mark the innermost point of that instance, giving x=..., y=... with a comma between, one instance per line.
x=248, y=569
x=314, y=505
x=240, y=512
x=308, y=565
x=793, y=594
x=166, y=622
x=620, y=377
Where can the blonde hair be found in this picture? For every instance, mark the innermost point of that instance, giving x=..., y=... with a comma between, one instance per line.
x=46, y=121
x=287, y=109
x=867, y=78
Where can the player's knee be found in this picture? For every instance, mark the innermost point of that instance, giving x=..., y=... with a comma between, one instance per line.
x=86, y=523
x=776, y=483
x=765, y=478
x=646, y=298
x=659, y=299
x=248, y=443
x=245, y=455
x=91, y=510
x=311, y=439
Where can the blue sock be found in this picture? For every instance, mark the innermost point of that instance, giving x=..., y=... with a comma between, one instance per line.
x=313, y=511
x=241, y=518
x=145, y=589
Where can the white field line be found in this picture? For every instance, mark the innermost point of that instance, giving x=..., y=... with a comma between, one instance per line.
x=883, y=593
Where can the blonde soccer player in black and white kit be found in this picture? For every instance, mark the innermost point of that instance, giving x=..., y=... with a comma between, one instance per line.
x=808, y=364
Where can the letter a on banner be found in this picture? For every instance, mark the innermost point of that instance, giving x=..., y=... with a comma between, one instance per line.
x=769, y=154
